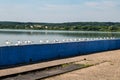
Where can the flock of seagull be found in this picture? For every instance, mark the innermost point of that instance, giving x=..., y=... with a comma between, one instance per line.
x=27, y=42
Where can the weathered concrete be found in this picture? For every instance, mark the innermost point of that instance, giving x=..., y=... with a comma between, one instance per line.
x=15, y=70
x=109, y=70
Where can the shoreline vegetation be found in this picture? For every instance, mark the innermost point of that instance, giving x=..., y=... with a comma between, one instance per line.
x=70, y=26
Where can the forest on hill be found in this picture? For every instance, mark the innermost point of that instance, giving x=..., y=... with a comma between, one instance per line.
x=79, y=26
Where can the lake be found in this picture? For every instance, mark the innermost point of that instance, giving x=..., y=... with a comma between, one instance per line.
x=51, y=35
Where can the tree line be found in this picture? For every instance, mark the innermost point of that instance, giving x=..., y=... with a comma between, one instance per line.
x=79, y=26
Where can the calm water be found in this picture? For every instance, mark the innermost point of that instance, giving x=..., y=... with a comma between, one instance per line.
x=37, y=35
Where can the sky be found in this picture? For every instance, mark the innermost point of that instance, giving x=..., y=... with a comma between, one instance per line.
x=57, y=11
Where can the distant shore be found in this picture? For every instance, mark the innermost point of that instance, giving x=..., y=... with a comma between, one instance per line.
x=70, y=26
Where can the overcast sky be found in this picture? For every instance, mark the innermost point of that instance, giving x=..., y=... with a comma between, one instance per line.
x=60, y=10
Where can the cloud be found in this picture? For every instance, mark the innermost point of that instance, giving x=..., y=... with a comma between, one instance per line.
x=92, y=4
x=102, y=4
x=44, y=11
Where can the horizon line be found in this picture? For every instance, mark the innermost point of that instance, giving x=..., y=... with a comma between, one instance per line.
x=61, y=22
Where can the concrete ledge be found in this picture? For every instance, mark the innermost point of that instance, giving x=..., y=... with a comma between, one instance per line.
x=105, y=56
x=31, y=67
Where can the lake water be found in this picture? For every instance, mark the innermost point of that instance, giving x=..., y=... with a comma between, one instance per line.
x=37, y=35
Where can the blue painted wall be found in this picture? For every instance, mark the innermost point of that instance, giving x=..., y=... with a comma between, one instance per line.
x=13, y=55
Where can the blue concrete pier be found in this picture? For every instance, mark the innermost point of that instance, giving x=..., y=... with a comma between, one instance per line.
x=24, y=54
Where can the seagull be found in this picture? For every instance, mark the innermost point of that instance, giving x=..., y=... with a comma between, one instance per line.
x=40, y=41
x=29, y=42
x=56, y=40
x=7, y=42
x=85, y=39
x=63, y=40
x=16, y=44
x=104, y=38
x=71, y=40
x=107, y=37
x=113, y=37
x=79, y=39
x=19, y=42
x=47, y=41
x=75, y=39
x=100, y=38
x=25, y=42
